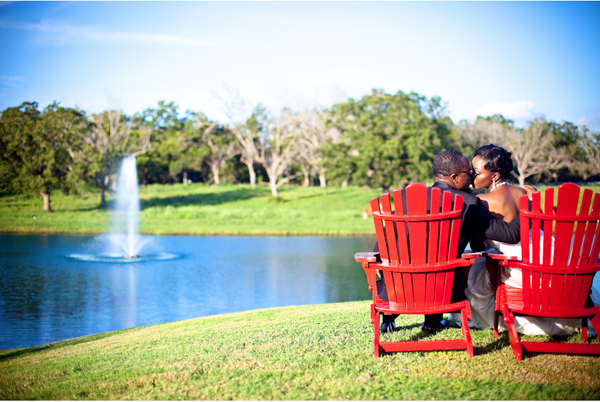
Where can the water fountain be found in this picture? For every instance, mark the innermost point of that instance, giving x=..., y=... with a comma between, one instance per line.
x=124, y=243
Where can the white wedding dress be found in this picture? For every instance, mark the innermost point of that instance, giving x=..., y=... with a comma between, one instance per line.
x=480, y=294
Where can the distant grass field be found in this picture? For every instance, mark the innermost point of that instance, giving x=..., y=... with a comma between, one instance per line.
x=320, y=352
x=197, y=209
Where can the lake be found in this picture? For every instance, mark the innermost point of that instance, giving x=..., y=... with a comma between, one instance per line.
x=45, y=296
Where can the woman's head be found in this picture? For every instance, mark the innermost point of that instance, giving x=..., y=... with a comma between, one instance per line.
x=491, y=164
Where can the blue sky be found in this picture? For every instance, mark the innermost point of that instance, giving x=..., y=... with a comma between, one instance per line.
x=521, y=59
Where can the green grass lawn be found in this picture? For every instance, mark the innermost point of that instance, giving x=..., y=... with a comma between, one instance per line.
x=201, y=210
x=322, y=352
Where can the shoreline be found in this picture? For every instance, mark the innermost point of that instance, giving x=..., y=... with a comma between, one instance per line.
x=219, y=234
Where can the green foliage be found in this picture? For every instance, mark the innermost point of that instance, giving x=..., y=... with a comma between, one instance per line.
x=567, y=137
x=174, y=141
x=386, y=140
x=39, y=150
x=319, y=352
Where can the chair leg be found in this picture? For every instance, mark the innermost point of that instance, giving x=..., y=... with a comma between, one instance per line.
x=515, y=342
x=596, y=323
x=376, y=335
x=372, y=313
x=497, y=304
x=466, y=332
x=584, y=329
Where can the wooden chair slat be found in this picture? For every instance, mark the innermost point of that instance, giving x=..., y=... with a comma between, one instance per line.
x=528, y=283
x=567, y=292
x=576, y=292
x=524, y=227
x=401, y=228
x=434, y=227
x=399, y=284
x=590, y=233
x=391, y=286
x=418, y=230
x=576, y=259
x=563, y=232
x=587, y=283
x=408, y=289
x=535, y=229
x=379, y=231
x=430, y=289
x=548, y=226
x=448, y=287
x=390, y=230
x=440, y=282
x=454, y=232
x=444, y=229
x=419, y=282
x=545, y=292
x=596, y=247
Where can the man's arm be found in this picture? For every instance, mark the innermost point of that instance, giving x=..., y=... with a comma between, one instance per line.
x=505, y=232
x=480, y=222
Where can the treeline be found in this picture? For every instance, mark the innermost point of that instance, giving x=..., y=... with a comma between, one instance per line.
x=381, y=140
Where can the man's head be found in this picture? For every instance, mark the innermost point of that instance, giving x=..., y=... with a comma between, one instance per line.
x=453, y=168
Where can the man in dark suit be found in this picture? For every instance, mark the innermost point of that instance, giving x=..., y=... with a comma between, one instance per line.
x=452, y=172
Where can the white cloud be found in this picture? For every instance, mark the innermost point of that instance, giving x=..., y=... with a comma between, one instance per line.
x=54, y=32
x=11, y=81
x=520, y=112
x=590, y=119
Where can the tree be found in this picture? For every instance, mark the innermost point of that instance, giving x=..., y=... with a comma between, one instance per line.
x=385, y=139
x=41, y=148
x=590, y=143
x=277, y=148
x=222, y=147
x=486, y=130
x=105, y=138
x=533, y=152
x=313, y=133
x=160, y=141
x=567, y=141
x=247, y=134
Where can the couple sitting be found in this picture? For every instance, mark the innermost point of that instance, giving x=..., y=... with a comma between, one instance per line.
x=492, y=217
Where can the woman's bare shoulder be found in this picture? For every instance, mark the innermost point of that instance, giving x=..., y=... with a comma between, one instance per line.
x=517, y=191
x=513, y=187
x=485, y=196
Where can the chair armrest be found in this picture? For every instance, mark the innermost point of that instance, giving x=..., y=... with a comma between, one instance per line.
x=368, y=256
x=471, y=256
x=502, y=257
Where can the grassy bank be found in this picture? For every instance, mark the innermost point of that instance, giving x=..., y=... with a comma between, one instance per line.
x=308, y=352
x=201, y=210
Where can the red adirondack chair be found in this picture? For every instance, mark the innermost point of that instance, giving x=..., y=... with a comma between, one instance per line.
x=556, y=280
x=417, y=251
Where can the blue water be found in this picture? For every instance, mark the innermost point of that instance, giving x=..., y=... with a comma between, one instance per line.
x=45, y=296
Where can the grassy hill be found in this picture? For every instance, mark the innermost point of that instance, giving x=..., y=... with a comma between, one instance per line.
x=197, y=209
x=320, y=352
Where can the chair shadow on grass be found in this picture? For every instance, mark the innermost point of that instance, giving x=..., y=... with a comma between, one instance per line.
x=499, y=343
x=204, y=199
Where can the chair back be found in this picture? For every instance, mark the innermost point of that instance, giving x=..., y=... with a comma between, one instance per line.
x=418, y=244
x=559, y=248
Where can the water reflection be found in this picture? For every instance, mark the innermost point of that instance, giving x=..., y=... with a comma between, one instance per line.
x=45, y=296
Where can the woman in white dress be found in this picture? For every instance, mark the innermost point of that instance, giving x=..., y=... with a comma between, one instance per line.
x=491, y=167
